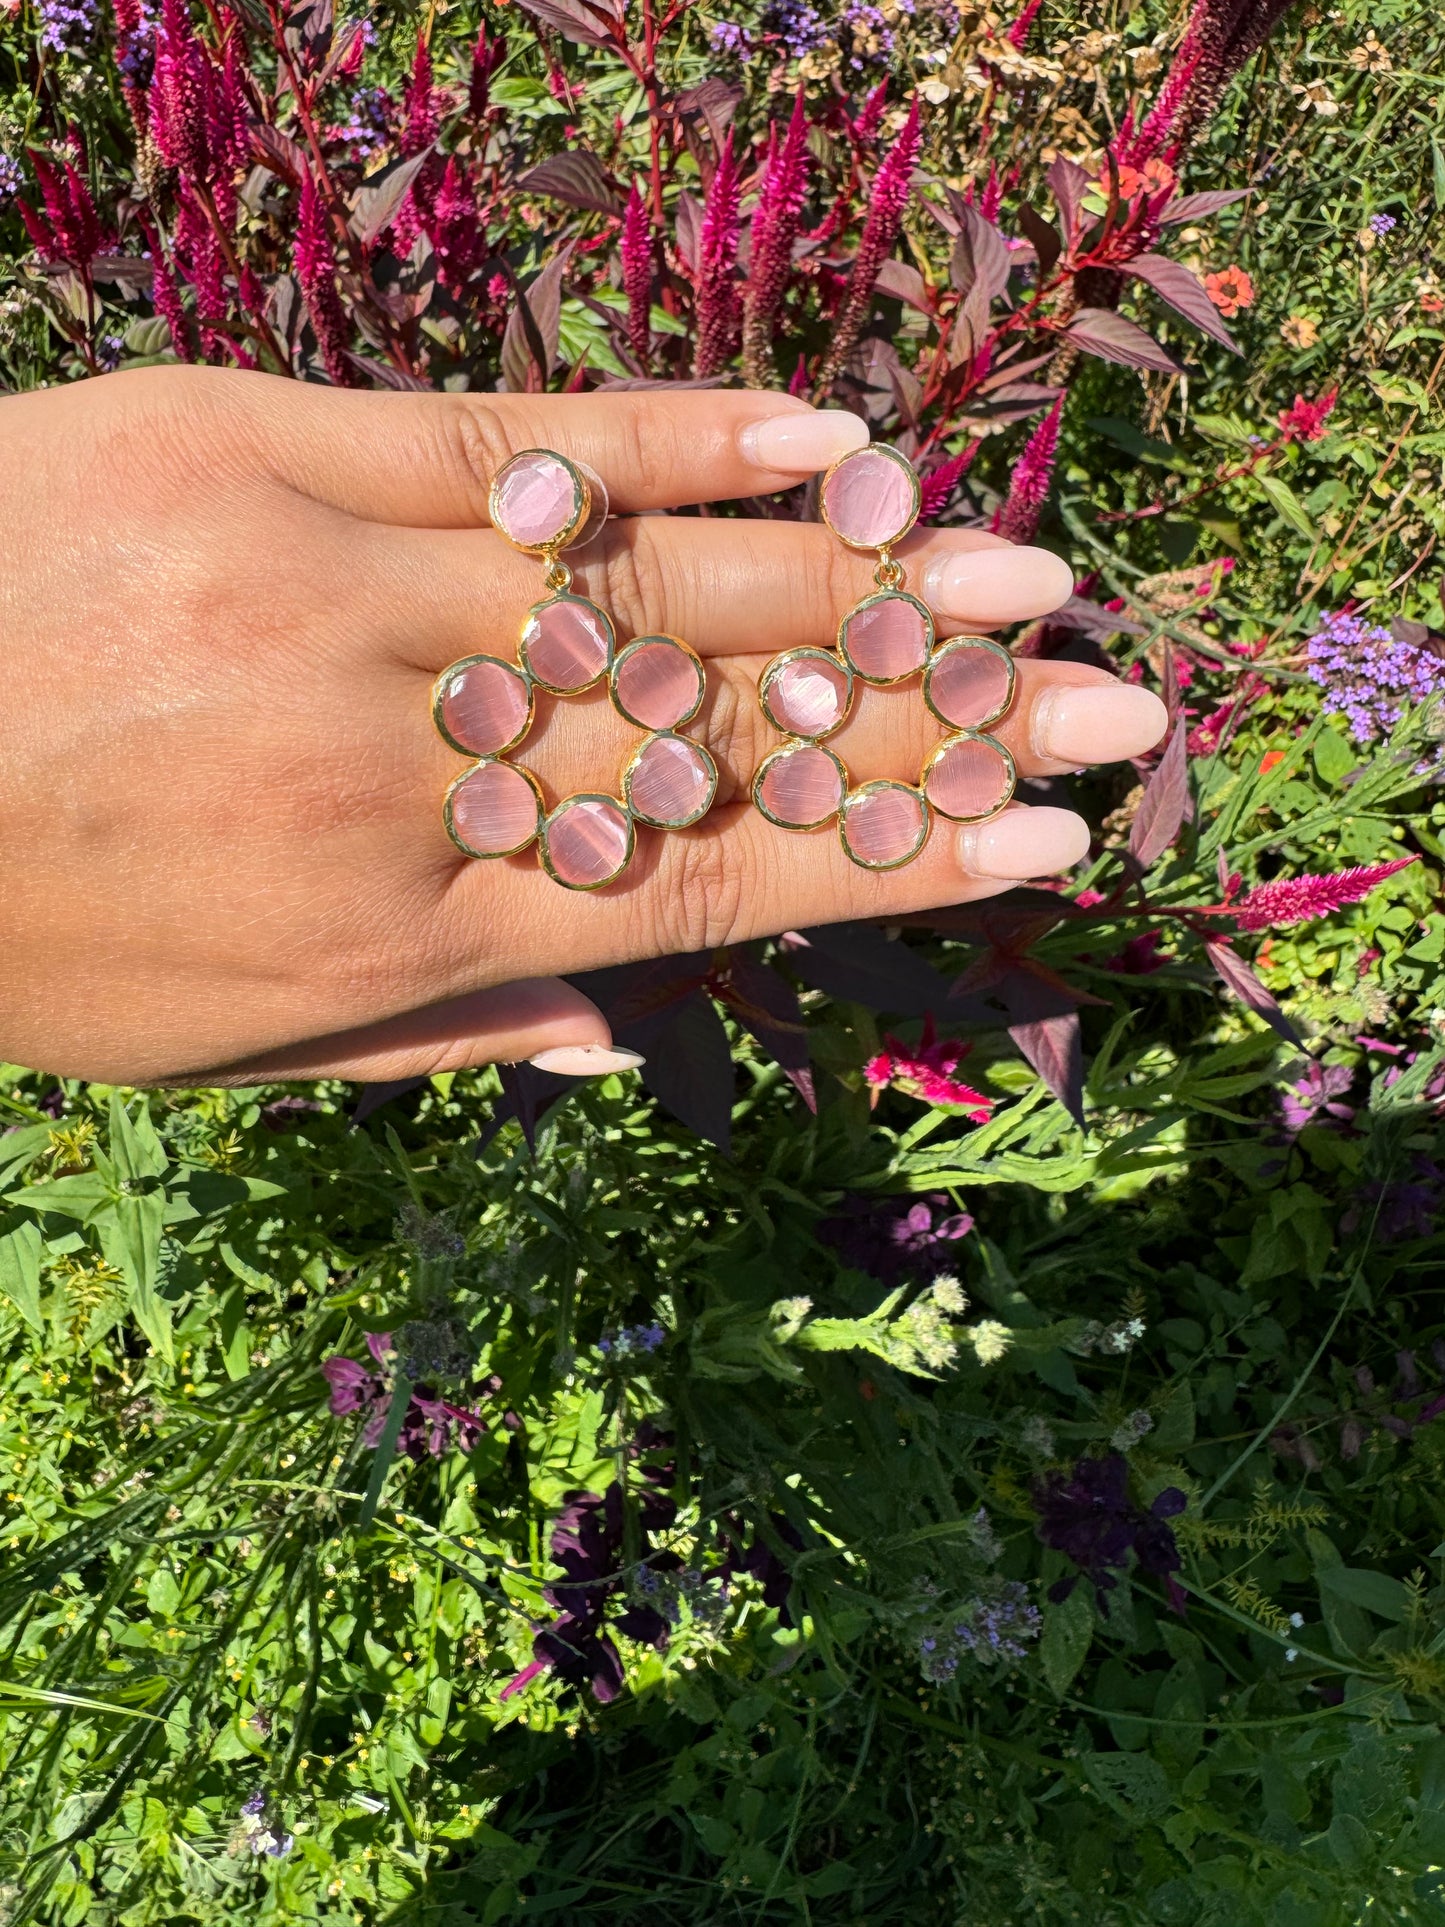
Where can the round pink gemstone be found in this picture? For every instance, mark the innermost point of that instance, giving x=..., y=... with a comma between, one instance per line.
x=589, y=839
x=887, y=638
x=484, y=706
x=869, y=498
x=565, y=644
x=658, y=683
x=494, y=810
x=672, y=782
x=800, y=788
x=968, y=777
x=808, y=696
x=534, y=499
x=884, y=824
x=968, y=684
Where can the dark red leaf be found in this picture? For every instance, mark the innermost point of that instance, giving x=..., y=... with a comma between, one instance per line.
x=856, y=962
x=1166, y=797
x=690, y=1070
x=766, y=1005
x=577, y=178
x=904, y=283
x=1068, y=183
x=595, y=23
x=279, y=152
x=527, y=1095
x=1194, y=207
x=1101, y=332
x=529, y=343
x=1044, y=1024
x=1044, y=236
x=1236, y=975
x=373, y=1096
x=1185, y=293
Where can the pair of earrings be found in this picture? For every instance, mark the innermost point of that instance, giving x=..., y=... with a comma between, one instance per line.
x=484, y=706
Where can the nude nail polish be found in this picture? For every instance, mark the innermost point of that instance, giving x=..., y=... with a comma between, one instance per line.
x=1097, y=722
x=803, y=441
x=1024, y=843
x=985, y=586
x=586, y=1060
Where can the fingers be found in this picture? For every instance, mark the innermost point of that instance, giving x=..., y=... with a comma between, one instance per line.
x=736, y=877
x=735, y=587
x=543, y=1019
x=427, y=461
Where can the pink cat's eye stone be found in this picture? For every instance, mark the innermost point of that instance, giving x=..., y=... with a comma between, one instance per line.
x=672, y=782
x=534, y=499
x=658, y=683
x=870, y=499
x=800, y=788
x=484, y=706
x=884, y=824
x=589, y=839
x=968, y=778
x=808, y=696
x=887, y=638
x=967, y=684
x=565, y=644
x=494, y=810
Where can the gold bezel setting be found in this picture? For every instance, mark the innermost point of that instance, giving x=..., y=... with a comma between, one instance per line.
x=807, y=654
x=872, y=448
x=873, y=788
x=1011, y=774
x=780, y=754
x=544, y=853
x=635, y=647
x=930, y=636
x=581, y=503
x=486, y=856
x=890, y=578
x=957, y=645
x=524, y=654
x=668, y=823
x=470, y=662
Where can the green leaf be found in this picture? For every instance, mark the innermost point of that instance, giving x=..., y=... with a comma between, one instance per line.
x=20, y=1273
x=385, y=1450
x=131, y=1240
x=1377, y=1592
x=134, y=1146
x=1288, y=503
x=1335, y=758
x=1068, y=1633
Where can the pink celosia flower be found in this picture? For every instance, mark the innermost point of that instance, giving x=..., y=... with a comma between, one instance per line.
x=773, y=232
x=1018, y=33
x=1304, y=421
x=487, y=56
x=635, y=247
x=316, y=271
x=1028, y=487
x=716, y=279
x=927, y=1072
x=940, y=482
x=70, y=230
x=1230, y=290
x=458, y=237
x=1272, y=906
x=178, y=94
x=892, y=186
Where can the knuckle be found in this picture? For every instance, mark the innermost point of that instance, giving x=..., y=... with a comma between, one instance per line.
x=699, y=907
x=632, y=600
x=734, y=733
x=474, y=445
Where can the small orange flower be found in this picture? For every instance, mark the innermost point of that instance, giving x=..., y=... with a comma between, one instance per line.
x=1432, y=304
x=1269, y=759
x=1230, y=290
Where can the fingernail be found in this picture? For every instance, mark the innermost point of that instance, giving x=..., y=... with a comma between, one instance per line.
x=997, y=585
x=586, y=1060
x=804, y=442
x=1097, y=722
x=1024, y=843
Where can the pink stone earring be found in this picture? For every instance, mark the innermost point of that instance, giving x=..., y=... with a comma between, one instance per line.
x=484, y=706
x=870, y=500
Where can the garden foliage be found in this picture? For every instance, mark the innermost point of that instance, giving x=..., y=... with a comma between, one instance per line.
x=963, y=1440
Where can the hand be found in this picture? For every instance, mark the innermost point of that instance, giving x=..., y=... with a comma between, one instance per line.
x=225, y=600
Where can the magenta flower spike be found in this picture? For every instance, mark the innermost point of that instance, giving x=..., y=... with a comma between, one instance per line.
x=774, y=230
x=635, y=247
x=1028, y=487
x=716, y=280
x=316, y=271
x=892, y=186
x=1273, y=906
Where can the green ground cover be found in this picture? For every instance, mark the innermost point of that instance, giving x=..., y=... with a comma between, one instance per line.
x=1019, y=1508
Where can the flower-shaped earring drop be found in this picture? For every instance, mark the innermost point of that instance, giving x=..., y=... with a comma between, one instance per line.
x=870, y=500
x=484, y=706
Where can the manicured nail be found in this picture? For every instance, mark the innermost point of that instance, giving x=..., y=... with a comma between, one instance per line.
x=804, y=441
x=1097, y=722
x=1024, y=843
x=997, y=585
x=586, y=1060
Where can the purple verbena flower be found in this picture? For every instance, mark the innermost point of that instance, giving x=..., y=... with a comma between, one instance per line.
x=64, y=23
x=731, y=40
x=1370, y=675
x=11, y=179
x=1382, y=223
x=800, y=26
x=368, y=129
x=1317, y=1093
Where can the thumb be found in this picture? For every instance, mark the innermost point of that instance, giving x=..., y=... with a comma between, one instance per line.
x=543, y=1019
